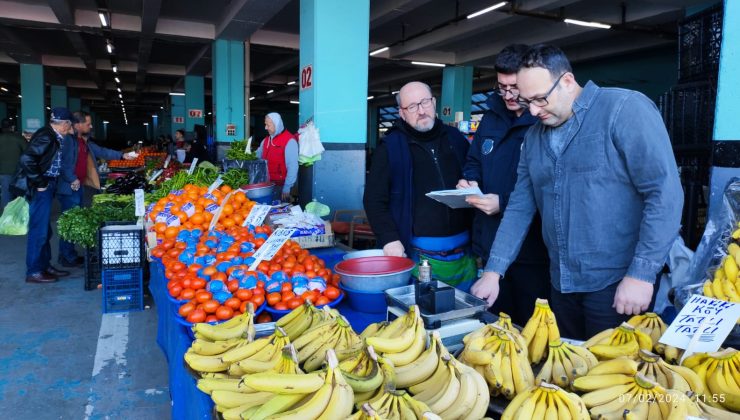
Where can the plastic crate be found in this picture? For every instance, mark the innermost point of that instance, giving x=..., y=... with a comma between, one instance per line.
x=699, y=42
x=688, y=113
x=92, y=269
x=121, y=245
x=123, y=290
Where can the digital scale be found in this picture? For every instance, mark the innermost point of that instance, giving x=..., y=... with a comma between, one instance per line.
x=452, y=325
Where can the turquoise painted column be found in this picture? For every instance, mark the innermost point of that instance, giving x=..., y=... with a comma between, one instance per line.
x=228, y=90
x=155, y=125
x=333, y=90
x=726, y=144
x=3, y=110
x=372, y=126
x=194, y=101
x=178, y=114
x=32, y=97
x=74, y=104
x=58, y=96
x=457, y=89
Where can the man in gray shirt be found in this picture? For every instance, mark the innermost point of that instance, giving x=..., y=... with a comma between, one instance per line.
x=600, y=169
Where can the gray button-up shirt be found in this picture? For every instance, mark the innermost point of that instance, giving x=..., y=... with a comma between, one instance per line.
x=610, y=202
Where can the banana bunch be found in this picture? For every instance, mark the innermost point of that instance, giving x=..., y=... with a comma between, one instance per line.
x=612, y=395
x=258, y=356
x=546, y=401
x=335, y=334
x=501, y=359
x=540, y=330
x=504, y=321
x=668, y=376
x=726, y=283
x=238, y=327
x=720, y=371
x=303, y=318
x=318, y=395
x=363, y=371
x=205, y=355
x=495, y=329
x=565, y=362
x=625, y=340
x=403, y=341
x=651, y=324
x=711, y=412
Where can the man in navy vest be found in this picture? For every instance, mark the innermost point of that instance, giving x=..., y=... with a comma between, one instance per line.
x=418, y=155
x=491, y=166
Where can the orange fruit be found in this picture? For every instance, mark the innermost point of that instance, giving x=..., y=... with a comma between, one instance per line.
x=171, y=232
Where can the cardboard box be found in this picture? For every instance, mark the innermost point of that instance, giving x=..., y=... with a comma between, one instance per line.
x=323, y=240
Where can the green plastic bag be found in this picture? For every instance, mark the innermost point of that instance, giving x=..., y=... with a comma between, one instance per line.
x=14, y=220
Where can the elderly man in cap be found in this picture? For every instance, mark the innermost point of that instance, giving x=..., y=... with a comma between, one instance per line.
x=38, y=169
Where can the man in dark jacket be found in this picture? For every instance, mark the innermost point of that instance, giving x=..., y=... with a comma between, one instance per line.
x=491, y=165
x=418, y=155
x=38, y=170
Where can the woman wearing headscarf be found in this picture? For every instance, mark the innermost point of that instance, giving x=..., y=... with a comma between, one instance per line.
x=280, y=150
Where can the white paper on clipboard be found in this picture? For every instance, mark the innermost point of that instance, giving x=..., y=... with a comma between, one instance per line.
x=454, y=198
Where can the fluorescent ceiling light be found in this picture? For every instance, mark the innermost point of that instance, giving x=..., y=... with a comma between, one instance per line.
x=49, y=108
x=487, y=9
x=209, y=113
x=291, y=83
x=395, y=92
x=106, y=122
x=117, y=79
x=424, y=63
x=251, y=98
x=270, y=91
x=295, y=102
x=370, y=97
x=20, y=96
x=103, y=19
x=161, y=107
x=109, y=47
x=378, y=51
x=115, y=68
x=146, y=123
x=176, y=94
x=119, y=90
x=155, y=116
x=4, y=89
x=589, y=24
x=120, y=95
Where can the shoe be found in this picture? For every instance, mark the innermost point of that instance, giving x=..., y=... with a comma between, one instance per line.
x=77, y=262
x=41, y=278
x=55, y=272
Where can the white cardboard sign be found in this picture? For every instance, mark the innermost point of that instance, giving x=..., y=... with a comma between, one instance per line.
x=271, y=246
x=257, y=215
x=192, y=166
x=139, y=202
x=702, y=325
x=217, y=183
x=217, y=215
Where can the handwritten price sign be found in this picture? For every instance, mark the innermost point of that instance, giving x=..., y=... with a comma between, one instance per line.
x=271, y=246
x=702, y=325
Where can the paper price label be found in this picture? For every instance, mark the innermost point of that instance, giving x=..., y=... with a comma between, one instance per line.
x=192, y=166
x=167, y=161
x=216, y=215
x=271, y=246
x=257, y=215
x=217, y=183
x=139, y=202
x=156, y=175
x=249, y=145
x=702, y=325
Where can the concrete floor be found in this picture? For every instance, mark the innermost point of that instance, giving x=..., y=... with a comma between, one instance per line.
x=61, y=358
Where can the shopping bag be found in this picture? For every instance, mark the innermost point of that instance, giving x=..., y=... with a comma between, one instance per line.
x=309, y=147
x=14, y=220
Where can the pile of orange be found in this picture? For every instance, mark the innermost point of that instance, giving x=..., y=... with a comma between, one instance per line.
x=233, y=212
x=123, y=163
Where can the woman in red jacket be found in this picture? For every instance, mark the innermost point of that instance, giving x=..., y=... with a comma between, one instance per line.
x=280, y=149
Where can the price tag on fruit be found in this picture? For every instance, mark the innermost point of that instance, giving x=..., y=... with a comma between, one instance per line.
x=257, y=215
x=139, y=202
x=192, y=166
x=271, y=246
x=167, y=162
x=248, y=148
x=217, y=183
x=216, y=215
x=703, y=324
x=156, y=175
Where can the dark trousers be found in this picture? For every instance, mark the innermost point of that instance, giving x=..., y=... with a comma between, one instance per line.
x=67, y=251
x=582, y=315
x=519, y=290
x=38, y=247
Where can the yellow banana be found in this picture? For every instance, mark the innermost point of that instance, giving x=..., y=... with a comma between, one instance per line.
x=604, y=351
x=605, y=393
x=231, y=399
x=597, y=382
x=285, y=383
x=420, y=369
x=205, y=363
x=598, y=338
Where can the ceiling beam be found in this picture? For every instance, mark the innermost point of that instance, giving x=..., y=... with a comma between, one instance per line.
x=149, y=16
x=277, y=67
x=384, y=11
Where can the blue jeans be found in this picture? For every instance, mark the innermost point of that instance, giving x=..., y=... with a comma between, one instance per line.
x=67, y=251
x=38, y=249
x=6, y=194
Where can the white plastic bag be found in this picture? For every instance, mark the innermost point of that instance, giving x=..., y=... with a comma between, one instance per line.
x=309, y=146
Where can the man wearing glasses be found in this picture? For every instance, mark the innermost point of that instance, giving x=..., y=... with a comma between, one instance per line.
x=418, y=155
x=38, y=169
x=599, y=168
x=491, y=165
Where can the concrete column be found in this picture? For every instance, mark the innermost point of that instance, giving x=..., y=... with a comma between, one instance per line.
x=333, y=91
x=372, y=126
x=74, y=104
x=194, y=101
x=457, y=89
x=178, y=114
x=32, y=97
x=228, y=90
x=58, y=96
x=726, y=144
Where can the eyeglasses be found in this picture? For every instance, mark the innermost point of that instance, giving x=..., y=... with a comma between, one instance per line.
x=541, y=101
x=425, y=103
x=500, y=91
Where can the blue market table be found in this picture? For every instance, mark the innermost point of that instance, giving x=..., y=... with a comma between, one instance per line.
x=188, y=402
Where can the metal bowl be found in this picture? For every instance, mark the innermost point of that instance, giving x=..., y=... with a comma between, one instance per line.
x=263, y=189
x=363, y=253
x=375, y=274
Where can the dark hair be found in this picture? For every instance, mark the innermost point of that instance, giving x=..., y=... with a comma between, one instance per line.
x=80, y=115
x=548, y=57
x=509, y=60
x=181, y=131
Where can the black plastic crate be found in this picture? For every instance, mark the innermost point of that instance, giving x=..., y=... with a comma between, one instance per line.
x=121, y=245
x=699, y=42
x=92, y=268
x=123, y=290
x=688, y=112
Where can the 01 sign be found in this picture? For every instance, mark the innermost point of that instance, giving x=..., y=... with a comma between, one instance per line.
x=307, y=77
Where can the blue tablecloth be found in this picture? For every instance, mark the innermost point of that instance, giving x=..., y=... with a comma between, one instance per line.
x=188, y=402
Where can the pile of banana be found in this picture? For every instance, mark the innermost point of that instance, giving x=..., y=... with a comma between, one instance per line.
x=334, y=333
x=402, y=341
x=726, y=283
x=546, y=401
x=668, y=376
x=303, y=318
x=625, y=340
x=367, y=412
x=540, y=330
x=501, y=357
x=565, y=362
x=504, y=321
x=720, y=372
x=651, y=324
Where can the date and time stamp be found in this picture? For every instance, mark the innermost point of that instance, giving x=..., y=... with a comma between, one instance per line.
x=669, y=398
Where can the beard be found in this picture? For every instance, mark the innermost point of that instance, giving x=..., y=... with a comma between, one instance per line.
x=424, y=124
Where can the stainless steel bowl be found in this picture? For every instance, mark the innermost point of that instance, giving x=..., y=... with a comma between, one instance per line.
x=375, y=274
x=363, y=253
x=261, y=190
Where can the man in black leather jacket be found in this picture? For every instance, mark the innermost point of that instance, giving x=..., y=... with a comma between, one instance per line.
x=36, y=178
